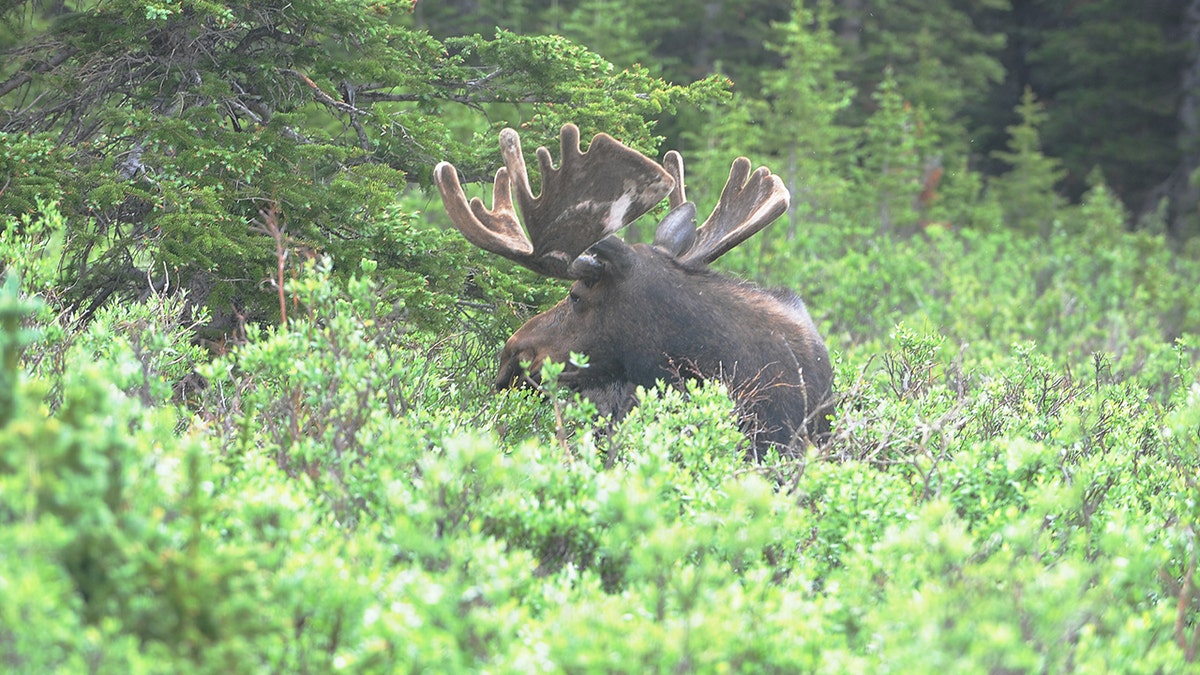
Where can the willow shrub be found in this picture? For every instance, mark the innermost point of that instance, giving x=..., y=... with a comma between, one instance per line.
x=346, y=493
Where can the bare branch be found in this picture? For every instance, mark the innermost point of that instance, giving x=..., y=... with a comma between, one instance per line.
x=21, y=77
x=320, y=95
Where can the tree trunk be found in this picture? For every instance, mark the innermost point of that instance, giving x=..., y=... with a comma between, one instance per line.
x=849, y=27
x=1179, y=189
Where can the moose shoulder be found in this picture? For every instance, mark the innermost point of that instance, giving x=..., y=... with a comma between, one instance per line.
x=643, y=313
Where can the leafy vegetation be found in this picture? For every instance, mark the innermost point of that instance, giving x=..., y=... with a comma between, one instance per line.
x=318, y=477
x=344, y=494
x=187, y=122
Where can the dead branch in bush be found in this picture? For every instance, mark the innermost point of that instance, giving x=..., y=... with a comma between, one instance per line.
x=271, y=226
x=1186, y=598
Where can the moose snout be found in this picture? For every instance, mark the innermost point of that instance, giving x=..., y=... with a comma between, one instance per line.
x=512, y=373
x=509, y=373
x=541, y=339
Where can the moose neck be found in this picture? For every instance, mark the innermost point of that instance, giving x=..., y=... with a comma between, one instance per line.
x=686, y=319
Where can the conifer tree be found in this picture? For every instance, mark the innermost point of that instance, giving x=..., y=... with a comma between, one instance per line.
x=1110, y=73
x=1027, y=192
x=890, y=158
x=183, y=123
x=807, y=99
x=939, y=52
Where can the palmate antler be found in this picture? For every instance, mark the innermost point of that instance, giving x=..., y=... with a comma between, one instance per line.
x=596, y=193
x=590, y=196
x=749, y=202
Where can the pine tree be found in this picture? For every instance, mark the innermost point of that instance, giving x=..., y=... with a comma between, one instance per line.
x=1027, y=192
x=183, y=123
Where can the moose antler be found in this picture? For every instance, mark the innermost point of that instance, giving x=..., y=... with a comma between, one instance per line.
x=590, y=196
x=676, y=234
x=673, y=163
x=748, y=203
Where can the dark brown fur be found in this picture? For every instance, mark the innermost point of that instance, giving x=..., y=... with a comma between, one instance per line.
x=644, y=317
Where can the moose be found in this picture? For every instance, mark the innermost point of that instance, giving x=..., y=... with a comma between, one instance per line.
x=649, y=313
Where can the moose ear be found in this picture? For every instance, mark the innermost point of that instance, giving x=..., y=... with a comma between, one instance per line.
x=677, y=232
x=609, y=257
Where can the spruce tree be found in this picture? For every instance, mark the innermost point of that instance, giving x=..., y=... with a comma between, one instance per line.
x=1027, y=192
x=169, y=130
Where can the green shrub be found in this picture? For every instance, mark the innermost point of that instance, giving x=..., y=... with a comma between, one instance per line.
x=1010, y=485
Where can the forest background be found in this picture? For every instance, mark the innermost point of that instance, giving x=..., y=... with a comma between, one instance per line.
x=246, y=421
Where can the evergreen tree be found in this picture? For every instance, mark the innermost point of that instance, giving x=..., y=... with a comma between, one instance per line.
x=1110, y=73
x=1027, y=191
x=182, y=124
x=622, y=31
x=807, y=100
x=941, y=58
x=890, y=165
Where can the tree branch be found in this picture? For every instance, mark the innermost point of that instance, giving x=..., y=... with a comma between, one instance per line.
x=320, y=95
x=467, y=99
x=23, y=76
x=261, y=33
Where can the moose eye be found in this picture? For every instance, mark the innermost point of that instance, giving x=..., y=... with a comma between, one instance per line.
x=574, y=297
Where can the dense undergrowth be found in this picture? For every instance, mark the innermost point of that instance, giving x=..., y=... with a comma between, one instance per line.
x=1011, y=486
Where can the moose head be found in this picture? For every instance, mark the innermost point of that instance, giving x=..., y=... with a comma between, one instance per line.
x=644, y=313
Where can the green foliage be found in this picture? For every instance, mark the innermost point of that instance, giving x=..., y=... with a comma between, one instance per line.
x=1027, y=192
x=1010, y=485
x=333, y=499
x=175, y=127
x=105, y=515
x=31, y=247
x=33, y=167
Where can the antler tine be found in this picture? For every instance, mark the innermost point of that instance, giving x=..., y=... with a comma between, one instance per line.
x=497, y=230
x=676, y=234
x=514, y=161
x=748, y=203
x=673, y=163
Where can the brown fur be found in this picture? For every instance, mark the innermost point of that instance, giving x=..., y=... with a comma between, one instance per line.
x=646, y=314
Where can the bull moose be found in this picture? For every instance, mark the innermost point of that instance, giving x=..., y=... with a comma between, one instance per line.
x=647, y=313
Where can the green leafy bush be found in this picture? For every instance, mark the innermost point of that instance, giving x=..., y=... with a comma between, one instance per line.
x=330, y=501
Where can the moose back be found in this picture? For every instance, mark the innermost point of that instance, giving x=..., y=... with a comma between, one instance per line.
x=643, y=313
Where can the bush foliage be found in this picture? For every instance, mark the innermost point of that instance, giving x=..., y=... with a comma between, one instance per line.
x=344, y=494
